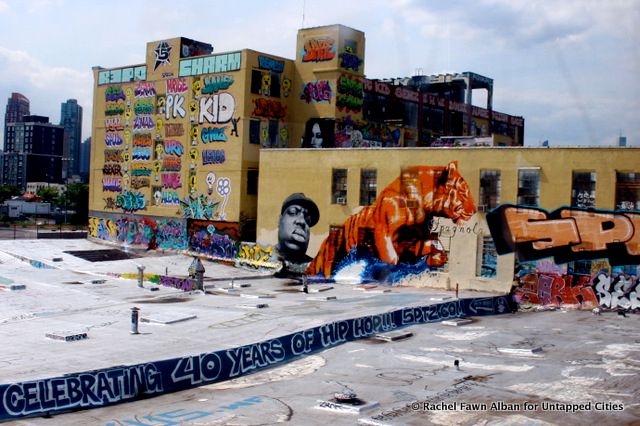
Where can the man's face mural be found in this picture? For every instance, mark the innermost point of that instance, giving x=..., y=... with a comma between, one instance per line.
x=293, y=230
x=298, y=215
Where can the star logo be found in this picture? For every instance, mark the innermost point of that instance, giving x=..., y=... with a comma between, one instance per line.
x=162, y=51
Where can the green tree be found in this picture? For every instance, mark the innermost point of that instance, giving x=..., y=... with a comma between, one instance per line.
x=76, y=198
x=8, y=191
x=49, y=194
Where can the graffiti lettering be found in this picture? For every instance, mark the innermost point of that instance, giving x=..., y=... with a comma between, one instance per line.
x=248, y=358
x=122, y=75
x=619, y=291
x=170, y=197
x=112, y=184
x=177, y=85
x=334, y=333
x=431, y=313
x=111, y=169
x=317, y=50
x=217, y=83
x=114, y=108
x=113, y=155
x=171, y=164
x=350, y=94
x=554, y=289
x=140, y=182
x=255, y=255
x=173, y=148
x=210, y=64
x=198, y=368
x=141, y=169
x=114, y=94
x=184, y=284
x=130, y=201
x=144, y=90
x=318, y=91
x=267, y=63
x=217, y=108
x=213, y=156
x=82, y=390
x=142, y=139
x=268, y=108
x=213, y=134
x=113, y=124
x=171, y=180
x=143, y=123
x=145, y=106
x=566, y=233
x=112, y=139
x=174, y=107
x=350, y=61
x=173, y=129
x=141, y=154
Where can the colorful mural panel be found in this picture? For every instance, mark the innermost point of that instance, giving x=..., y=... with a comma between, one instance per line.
x=144, y=232
x=219, y=240
x=393, y=237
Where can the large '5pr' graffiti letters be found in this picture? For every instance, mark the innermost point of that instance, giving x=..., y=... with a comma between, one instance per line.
x=566, y=234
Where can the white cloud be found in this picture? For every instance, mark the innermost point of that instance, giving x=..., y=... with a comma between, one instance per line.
x=45, y=86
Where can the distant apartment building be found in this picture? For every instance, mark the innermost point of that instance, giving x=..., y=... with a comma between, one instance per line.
x=71, y=121
x=17, y=108
x=33, y=152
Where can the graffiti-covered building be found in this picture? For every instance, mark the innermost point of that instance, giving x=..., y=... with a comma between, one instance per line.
x=178, y=137
x=306, y=167
x=558, y=223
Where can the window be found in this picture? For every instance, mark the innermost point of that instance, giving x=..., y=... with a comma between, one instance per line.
x=254, y=132
x=529, y=187
x=489, y=189
x=487, y=263
x=273, y=133
x=583, y=189
x=580, y=267
x=627, y=191
x=339, y=186
x=252, y=182
x=368, y=186
x=265, y=83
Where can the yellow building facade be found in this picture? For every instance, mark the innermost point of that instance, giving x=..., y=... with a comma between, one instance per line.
x=536, y=178
x=240, y=156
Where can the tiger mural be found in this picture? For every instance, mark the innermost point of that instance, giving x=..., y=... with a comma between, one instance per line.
x=397, y=226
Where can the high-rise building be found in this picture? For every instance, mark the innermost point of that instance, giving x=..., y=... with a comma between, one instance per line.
x=85, y=159
x=17, y=108
x=33, y=152
x=71, y=120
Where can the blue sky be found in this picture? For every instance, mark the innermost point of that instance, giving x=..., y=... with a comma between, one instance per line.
x=570, y=68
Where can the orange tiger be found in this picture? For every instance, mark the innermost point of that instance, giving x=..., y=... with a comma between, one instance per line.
x=396, y=226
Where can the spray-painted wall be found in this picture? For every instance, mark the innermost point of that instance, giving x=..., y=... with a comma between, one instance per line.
x=343, y=244
x=175, y=137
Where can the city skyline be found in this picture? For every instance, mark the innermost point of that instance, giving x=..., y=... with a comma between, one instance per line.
x=568, y=69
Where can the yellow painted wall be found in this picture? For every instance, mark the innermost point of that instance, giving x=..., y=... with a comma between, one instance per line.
x=199, y=82
x=283, y=172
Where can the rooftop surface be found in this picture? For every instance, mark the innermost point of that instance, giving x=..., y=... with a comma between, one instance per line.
x=551, y=367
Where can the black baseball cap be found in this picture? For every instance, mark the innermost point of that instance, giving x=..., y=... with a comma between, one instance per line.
x=300, y=199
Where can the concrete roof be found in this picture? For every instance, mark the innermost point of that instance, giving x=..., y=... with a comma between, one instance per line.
x=554, y=357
